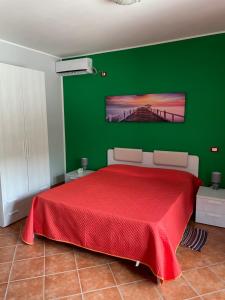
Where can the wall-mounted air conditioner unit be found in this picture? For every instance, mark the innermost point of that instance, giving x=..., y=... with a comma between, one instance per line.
x=74, y=67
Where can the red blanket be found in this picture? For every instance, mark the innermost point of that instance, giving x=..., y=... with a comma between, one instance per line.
x=126, y=211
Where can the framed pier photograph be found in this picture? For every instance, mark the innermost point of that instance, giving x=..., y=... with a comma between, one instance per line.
x=146, y=108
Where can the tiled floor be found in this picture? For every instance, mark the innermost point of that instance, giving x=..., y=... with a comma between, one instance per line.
x=50, y=270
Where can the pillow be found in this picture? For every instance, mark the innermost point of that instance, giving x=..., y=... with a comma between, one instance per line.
x=169, y=158
x=125, y=154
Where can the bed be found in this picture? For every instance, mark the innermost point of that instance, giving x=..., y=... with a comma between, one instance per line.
x=130, y=209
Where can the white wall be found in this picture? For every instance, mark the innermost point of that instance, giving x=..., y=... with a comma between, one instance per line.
x=21, y=56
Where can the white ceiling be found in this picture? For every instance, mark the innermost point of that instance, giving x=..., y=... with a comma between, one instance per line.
x=74, y=27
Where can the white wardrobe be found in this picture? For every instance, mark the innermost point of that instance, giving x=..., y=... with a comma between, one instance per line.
x=24, y=154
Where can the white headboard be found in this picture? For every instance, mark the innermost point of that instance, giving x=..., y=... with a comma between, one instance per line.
x=192, y=166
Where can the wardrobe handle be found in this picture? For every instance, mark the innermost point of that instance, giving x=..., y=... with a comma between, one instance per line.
x=28, y=152
x=26, y=148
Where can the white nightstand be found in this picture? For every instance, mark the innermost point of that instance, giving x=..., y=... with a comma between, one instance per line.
x=74, y=175
x=210, y=206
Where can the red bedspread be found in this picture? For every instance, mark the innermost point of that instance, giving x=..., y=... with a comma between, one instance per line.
x=126, y=211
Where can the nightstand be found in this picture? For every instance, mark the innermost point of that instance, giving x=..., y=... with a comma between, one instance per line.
x=74, y=175
x=210, y=206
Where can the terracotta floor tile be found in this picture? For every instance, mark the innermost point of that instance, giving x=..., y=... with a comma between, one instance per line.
x=52, y=247
x=214, y=237
x=190, y=259
x=215, y=296
x=60, y=263
x=219, y=270
x=31, y=289
x=96, y=278
x=2, y=290
x=20, y=241
x=125, y=272
x=216, y=233
x=214, y=252
x=13, y=228
x=75, y=297
x=106, y=294
x=176, y=289
x=61, y=285
x=144, y=290
x=214, y=245
x=60, y=258
x=213, y=258
x=28, y=268
x=8, y=239
x=6, y=254
x=4, y=272
x=30, y=251
x=213, y=232
x=203, y=280
x=90, y=259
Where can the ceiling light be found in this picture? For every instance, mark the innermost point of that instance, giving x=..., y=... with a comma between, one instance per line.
x=126, y=2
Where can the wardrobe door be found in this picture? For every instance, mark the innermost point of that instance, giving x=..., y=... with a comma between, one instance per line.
x=13, y=160
x=36, y=130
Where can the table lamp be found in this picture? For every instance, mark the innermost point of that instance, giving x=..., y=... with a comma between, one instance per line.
x=216, y=179
x=84, y=163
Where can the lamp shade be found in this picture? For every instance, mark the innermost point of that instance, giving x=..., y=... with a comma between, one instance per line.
x=84, y=162
x=126, y=2
x=215, y=179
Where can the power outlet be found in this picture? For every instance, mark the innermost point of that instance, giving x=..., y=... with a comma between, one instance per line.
x=214, y=149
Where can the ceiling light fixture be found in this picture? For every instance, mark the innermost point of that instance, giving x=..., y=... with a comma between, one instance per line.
x=126, y=2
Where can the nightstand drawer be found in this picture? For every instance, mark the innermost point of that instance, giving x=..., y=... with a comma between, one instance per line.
x=216, y=219
x=210, y=205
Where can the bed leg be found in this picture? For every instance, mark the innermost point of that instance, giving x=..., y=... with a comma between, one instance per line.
x=159, y=281
x=137, y=263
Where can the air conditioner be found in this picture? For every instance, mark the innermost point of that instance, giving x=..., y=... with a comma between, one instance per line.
x=74, y=67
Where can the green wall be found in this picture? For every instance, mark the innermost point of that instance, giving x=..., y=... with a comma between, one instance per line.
x=194, y=66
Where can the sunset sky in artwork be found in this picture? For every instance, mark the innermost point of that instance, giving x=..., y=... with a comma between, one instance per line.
x=164, y=100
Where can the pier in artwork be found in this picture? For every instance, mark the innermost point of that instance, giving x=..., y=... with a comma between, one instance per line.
x=146, y=108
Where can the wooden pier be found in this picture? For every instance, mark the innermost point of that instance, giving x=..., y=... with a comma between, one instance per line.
x=144, y=114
